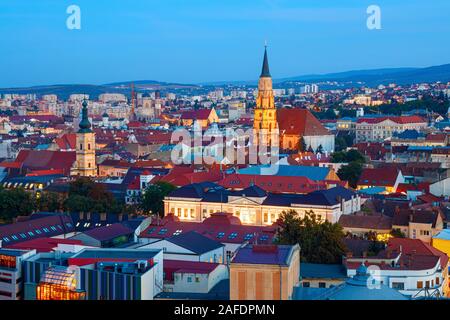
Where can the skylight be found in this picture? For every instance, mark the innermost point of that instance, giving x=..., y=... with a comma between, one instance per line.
x=233, y=235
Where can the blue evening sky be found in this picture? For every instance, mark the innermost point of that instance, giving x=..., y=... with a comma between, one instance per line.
x=192, y=41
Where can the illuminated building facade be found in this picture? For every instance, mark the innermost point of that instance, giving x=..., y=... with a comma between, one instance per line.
x=265, y=124
x=11, y=284
x=59, y=283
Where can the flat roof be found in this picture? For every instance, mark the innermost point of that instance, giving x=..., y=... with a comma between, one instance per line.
x=117, y=254
x=11, y=252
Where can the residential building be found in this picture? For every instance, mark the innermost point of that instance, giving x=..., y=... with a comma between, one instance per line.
x=189, y=246
x=315, y=275
x=264, y=272
x=411, y=266
x=378, y=129
x=192, y=277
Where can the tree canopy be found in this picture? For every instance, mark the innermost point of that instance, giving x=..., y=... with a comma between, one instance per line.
x=320, y=242
x=152, y=199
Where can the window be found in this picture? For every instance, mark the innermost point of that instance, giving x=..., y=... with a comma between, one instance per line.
x=322, y=285
x=162, y=231
x=30, y=233
x=89, y=146
x=264, y=237
x=53, y=228
x=192, y=213
x=427, y=284
x=306, y=284
x=197, y=279
x=179, y=212
x=248, y=236
x=176, y=233
x=220, y=235
x=38, y=231
x=232, y=235
x=419, y=284
x=438, y=281
x=189, y=279
x=81, y=146
x=47, y=231
x=398, y=285
x=266, y=217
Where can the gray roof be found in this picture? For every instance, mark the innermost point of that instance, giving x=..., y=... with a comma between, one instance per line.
x=322, y=271
x=195, y=242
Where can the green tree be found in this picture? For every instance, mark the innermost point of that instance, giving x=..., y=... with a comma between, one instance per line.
x=302, y=144
x=49, y=201
x=319, y=149
x=152, y=199
x=320, y=242
x=340, y=144
x=15, y=202
x=351, y=173
x=86, y=195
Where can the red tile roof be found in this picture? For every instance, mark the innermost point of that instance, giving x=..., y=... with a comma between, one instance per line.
x=299, y=122
x=179, y=266
x=222, y=227
x=399, y=119
x=201, y=114
x=67, y=141
x=282, y=184
x=385, y=177
x=46, y=159
x=43, y=244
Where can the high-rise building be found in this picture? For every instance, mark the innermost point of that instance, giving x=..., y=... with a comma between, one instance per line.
x=265, y=124
x=85, y=159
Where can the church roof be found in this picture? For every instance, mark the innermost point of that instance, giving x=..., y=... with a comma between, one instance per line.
x=265, y=68
x=85, y=124
x=299, y=122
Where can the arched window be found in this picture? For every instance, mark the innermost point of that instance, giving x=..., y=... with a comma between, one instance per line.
x=81, y=146
x=89, y=146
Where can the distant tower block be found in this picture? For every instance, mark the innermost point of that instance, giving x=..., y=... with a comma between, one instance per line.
x=85, y=159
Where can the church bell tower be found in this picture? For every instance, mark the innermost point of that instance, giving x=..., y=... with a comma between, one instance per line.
x=265, y=124
x=85, y=150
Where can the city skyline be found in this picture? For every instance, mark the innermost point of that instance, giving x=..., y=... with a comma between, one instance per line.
x=145, y=40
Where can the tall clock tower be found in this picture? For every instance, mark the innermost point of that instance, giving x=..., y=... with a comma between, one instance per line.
x=85, y=159
x=265, y=124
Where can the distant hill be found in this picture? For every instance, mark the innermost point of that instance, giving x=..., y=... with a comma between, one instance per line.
x=371, y=77
x=374, y=77
x=65, y=90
